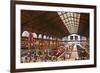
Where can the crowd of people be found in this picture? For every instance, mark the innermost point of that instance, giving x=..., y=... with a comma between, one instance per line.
x=59, y=53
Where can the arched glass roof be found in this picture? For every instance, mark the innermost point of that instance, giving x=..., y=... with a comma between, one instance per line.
x=71, y=20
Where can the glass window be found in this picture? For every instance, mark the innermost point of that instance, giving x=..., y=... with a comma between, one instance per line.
x=65, y=16
x=59, y=13
x=25, y=34
x=71, y=37
x=76, y=37
x=44, y=37
x=40, y=36
x=62, y=17
x=34, y=35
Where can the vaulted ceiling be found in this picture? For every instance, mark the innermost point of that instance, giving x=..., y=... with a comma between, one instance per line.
x=50, y=23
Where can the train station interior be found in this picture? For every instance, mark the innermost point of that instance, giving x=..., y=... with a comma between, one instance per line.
x=48, y=36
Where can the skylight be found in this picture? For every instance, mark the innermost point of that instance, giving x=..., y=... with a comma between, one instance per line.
x=71, y=21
